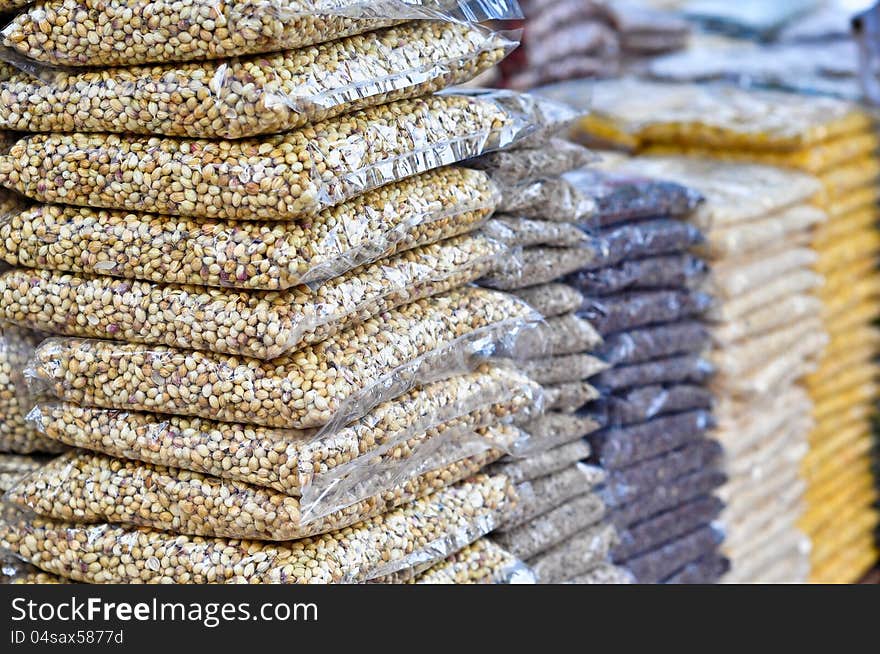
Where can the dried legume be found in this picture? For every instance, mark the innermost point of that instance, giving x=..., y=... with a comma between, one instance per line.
x=568, y=397
x=283, y=177
x=651, y=273
x=484, y=562
x=577, y=555
x=92, y=488
x=539, y=265
x=547, y=493
x=246, y=97
x=252, y=255
x=544, y=463
x=553, y=429
x=263, y=325
x=338, y=380
x=555, y=157
x=566, y=334
x=523, y=232
x=566, y=368
x=428, y=529
x=552, y=299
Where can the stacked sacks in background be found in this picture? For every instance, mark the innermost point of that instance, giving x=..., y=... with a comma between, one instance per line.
x=269, y=346
x=835, y=141
x=559, y=529
x=644, y=296
x=767, y=334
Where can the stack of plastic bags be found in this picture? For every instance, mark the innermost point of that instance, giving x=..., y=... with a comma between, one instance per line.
x=767, y=334
x=267, y=353
x=834, y=141
x=569, y=39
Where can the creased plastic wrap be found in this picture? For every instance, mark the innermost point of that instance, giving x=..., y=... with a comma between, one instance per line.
x=669, y=494
x=15, y=466
x=260, y=325
x=239, y=98
x=603, y=574
x=627, y=311
x=551, y=299
x=651, y=273
x=666, y=527
x=250, y=255
x=144, y=31
x=577, y=555
x=643, y=345
x=540, y=265
x=655, y=566
x=87, y=487
x=561, y=335
x=425, y=531
x=545, y=463
x=329, y=384
x=321, y=467
x=483, y=562
x=554, y=158
x=553, y=527
x=648, y=402
x=644, y=239
x=293, y=175
x=544, y=494
x=564, y=368
x=17, y=346
x=554, y=429
x=688, y=369
x=524, y=232
x=568, y=397
x=619, y=447
x=597, y=199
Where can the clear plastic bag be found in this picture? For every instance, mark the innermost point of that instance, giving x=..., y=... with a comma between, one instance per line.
x=15, y=571
x=653, y=567
x=628, y=311
x=604, y=573
x=483, y=562
x=666, y=527
x=568, y=397
x=708, y=569
x=17, y=346
x=658, y=272
x=792, y=283
x=577, y=555
x=645, y=239
x=250, y=255
x=553, y=527
x=88, y=488
x=15, y=466
x=290, y=176
x=645, y=403
x=547, y=493
x=241, y=98
x=203, y=29
x=425, y=531
x=561, y=335
x=295, y=462
x=596, y=198
x=554, y=429
x=643, y=345
x=540, y=265
x=565, y=368
x=263, y=325
x=554, y=158
x=755, y=323
x=332, y=383
x=734, y=278
x=755, y=235
x=523, y=232
x=669, y=494
x=620, y=447
x=551, y=299
x=688, y=369
x=643, y=479
x=740, y=359
x=545, y=463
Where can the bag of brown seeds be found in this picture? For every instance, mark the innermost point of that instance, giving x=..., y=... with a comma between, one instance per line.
x=250, y=255
x=519, y=165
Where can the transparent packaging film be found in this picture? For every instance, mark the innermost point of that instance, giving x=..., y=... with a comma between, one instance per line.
x=539, y=265
x=667, y=495
x=290, y=176
x=564, y=368
x=423, y=532
x=143, y=31
x=577, y=555
x=737, y=277
x=553, y=527
x=561, y=335
x=239, y=98
x=655, y=566
x=569, y=397
x=628, y=311
x=552, y=491
x=621, y=447
x=552, y=159
x=17, y=346
x=667, y=526
x=651, y=273
x=688, y=369
x=262, y=325
x=297, y=462
x=552, y=299
x=664, y=341
x=544, y=463
x=382, y=358
x=626, y=485
x=15, y=466
x=483, y=562
x=524, y=232
x=250, y=255
x=603, y=574
x=86, y=487
x=787, y=284
x=644, y=403
x=644, y=239
x=754, y=235
x=796, y=308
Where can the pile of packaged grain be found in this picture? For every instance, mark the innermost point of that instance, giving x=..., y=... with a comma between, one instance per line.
x=767, y=334
x=268, y=356
x=559, y=529
x=836, y=142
